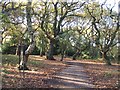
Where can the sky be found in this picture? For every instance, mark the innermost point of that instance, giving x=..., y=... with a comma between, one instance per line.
x=109, y=2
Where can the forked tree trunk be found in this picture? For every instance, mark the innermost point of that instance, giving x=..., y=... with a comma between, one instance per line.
x=24, y=56
x=105, y=58
x=23, y=62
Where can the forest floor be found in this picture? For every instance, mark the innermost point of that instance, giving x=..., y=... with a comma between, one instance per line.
x=41, y=70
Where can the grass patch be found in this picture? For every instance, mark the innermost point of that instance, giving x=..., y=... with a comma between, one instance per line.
x=111, y=73
x=10, y=60
x=36, y=63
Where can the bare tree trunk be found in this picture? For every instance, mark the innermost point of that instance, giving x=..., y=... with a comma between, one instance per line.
x=17, y=47
x=50, y=51
x=18, y=52
x=41, y=52
x=105, y=58
x=23, y=62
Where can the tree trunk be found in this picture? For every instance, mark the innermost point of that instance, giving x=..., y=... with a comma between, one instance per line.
x=75, y=55
x=105, y=58
x=41, y=53
x=22, y=58
x=25, y=52
x=62, y=54
x=23, y=63
x=50, y=51
x=18, y=52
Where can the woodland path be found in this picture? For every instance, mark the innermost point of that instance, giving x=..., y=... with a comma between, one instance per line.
x=73, y=76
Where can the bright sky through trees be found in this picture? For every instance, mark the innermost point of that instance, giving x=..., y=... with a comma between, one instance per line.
x=110, y=3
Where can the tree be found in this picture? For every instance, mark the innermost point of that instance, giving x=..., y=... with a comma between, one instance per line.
x=106, y=26
x=64, y=42
x=14, y=13
x=23, y=63
x=53, y=19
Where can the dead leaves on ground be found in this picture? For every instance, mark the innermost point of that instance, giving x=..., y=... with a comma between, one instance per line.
x=13, y=78
x=102, y=75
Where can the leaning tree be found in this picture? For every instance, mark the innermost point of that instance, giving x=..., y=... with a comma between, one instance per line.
x=105, y=22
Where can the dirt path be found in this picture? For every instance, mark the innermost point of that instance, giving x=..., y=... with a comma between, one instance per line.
x=72, y=76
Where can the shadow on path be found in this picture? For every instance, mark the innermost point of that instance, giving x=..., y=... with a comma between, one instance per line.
x=72, y=76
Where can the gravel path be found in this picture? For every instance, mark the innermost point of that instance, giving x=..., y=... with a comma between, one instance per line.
x=72, y=76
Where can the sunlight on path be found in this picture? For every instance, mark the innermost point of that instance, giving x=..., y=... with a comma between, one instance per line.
x=71, y=77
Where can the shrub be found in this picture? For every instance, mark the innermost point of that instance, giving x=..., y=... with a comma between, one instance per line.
x=70, y=52
x=7, y=49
